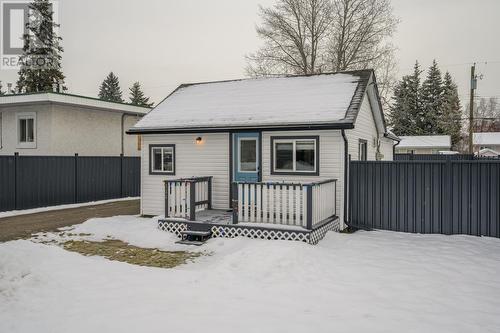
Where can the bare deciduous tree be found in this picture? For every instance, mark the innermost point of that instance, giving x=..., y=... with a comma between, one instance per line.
x=294, y=34
x=312, y=36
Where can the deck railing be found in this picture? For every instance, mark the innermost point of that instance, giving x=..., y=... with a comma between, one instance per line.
x=305, y=205
x=185, y=196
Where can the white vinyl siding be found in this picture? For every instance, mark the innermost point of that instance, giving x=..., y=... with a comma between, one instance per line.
x=209, y=158
x=386, y=149
x=364, y=128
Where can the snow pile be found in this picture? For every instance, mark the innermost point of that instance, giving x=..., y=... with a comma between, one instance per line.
x=265, y=101
x=367, y=281
x=59, y=207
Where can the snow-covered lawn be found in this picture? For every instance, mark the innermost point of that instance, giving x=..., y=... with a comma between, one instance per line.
x=363, y=282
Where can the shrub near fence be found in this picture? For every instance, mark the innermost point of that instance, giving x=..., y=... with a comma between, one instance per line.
x=448, y=197
x=40, y=181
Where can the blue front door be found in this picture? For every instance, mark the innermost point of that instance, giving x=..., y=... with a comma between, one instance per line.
x=246, y=157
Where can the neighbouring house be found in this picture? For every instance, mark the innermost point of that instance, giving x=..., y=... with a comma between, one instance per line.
x=424, y=144
x=64, y=124
x=262, y=157
x=486, y=144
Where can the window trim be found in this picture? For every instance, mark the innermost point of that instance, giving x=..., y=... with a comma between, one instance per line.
x=26, y=145
x=364, y=142
x=238, y=162
x=275, y=139
x=150, y=152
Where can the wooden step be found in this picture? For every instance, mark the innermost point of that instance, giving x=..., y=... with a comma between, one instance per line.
x=188, y=242
x=196, y=233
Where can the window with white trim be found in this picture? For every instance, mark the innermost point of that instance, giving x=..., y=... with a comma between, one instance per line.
x=26, y=130
x=295, y=155
x=162, y=159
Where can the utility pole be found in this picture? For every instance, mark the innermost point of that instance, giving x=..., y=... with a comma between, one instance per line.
x=473, y=87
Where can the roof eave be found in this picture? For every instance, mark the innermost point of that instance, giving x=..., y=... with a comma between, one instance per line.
x=289, y=127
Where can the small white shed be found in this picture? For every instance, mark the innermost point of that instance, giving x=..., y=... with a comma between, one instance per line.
x=260, y=155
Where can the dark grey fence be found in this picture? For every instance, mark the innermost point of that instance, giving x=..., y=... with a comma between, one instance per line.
x=448, y=197
x=40, y=181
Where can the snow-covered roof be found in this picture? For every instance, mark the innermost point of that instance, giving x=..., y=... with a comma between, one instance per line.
x=487, y=152
x=261, y=102
x=70, y=99
x=425, y=141
x=489, y=138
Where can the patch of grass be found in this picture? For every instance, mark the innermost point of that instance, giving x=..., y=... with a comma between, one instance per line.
x=121, y=251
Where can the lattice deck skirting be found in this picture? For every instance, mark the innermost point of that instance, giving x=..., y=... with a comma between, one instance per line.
x=231, y=231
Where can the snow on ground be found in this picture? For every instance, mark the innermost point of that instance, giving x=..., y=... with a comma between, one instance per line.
x=59, y=207
x=367, y=281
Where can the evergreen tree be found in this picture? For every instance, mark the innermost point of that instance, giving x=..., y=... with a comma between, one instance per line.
x=137, y=96
x=451, y=122
x=41, y=58
x=110, y=89
x=432, y=100
x=406, y=108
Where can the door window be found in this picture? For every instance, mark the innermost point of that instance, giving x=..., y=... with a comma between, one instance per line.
x=248, y=155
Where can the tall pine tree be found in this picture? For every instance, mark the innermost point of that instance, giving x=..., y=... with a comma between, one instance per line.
x=110, y=89
x=137, y=96
x=451, y=114
x=41, y=59
x=405, y=110
x=432, y=100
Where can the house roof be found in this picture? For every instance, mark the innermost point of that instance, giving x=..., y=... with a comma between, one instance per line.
x=489, y=138
x=309, y=100
x=488, y=152
x=425, y=141
x=70, y=99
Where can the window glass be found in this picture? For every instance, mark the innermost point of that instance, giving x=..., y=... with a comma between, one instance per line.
x=305, y=156
x=363, y=146
x=22, y=130
x=30, y=130
x=248, y=155
x=284, y=156
x=168, y=159
x=157, y=159
x=162, y=159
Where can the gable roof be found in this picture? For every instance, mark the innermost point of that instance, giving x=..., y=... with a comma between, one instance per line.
x=70, y=99
x=312, y=101
x=425, y=141
x=489, y=138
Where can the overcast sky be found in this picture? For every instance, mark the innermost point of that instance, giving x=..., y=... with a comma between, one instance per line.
x=164, y=43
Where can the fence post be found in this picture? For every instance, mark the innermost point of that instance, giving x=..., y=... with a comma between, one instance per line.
x=76, y=178
x=192, y=200
x=309, y=205
x=166, y=199
x=448, y=199
x=235, y=203
x=16, y=171
x=121, y=175
x=209, y=192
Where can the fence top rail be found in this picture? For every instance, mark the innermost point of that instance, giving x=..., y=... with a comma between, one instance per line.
x=283, y=183
x=188, y=180
x=429, y=161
